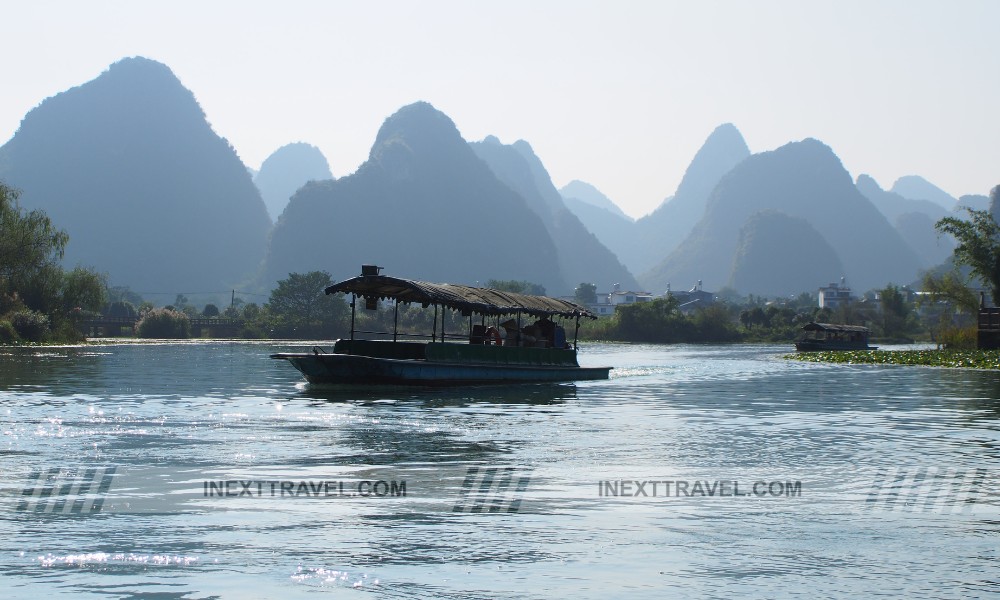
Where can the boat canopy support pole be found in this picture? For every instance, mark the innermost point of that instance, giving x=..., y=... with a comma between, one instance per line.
x=353, y=302
x=434, y=335
x=395, y=319
x=576, y=334
x=520, y=336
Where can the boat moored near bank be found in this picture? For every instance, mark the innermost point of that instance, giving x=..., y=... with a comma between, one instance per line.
x=829, y=336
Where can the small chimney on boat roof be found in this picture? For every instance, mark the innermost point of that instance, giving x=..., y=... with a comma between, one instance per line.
x=370, y=270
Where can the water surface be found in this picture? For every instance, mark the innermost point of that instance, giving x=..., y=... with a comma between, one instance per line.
x=896, y=472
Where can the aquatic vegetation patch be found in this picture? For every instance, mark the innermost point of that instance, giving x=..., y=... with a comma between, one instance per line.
x=955, y=359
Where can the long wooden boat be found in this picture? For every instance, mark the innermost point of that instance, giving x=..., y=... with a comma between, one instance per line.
x=829, y=336
x=536, y=352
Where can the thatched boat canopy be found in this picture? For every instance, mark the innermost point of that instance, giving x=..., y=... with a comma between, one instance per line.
x=834, y=328
x=464, y=298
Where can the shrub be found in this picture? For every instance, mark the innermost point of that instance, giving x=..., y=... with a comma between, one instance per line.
x=8, y=334
x=30, y=326
x=121, y=309
x=164, y=323
x=66, y=331
x=958, y=338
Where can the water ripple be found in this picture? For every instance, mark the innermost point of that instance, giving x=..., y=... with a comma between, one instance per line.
x=187, y=413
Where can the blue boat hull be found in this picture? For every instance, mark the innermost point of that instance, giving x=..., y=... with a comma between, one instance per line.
x=825, y=345
x=354, y=369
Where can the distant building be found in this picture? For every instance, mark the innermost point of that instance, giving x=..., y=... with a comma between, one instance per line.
x=909, y=295
x=602, y=309
x=618, y=297
x=835, y=295
x=606, y=302
x=694, y=298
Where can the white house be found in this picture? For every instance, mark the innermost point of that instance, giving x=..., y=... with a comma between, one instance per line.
x=618, y=297
x=607, y=302
x=835, y=295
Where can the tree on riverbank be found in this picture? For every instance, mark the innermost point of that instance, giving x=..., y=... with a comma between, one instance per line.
x=299, y=308
x=516, y=286
x=978, y=243
x=662, y=322
x=30, y=248
x=585, y=293
x=40, y=301
x=164, y=323
x=896, y=319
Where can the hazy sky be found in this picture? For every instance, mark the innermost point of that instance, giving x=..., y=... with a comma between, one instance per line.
x=619, y=94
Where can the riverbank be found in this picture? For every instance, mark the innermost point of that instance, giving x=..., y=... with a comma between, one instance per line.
x=954, y=359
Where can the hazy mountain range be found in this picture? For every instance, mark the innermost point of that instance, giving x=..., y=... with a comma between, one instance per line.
x=804, y=180
x=582, y=257
x=588, y=195
x=915, y=187
x=766, y=241
x=286, y=170
x=129, y=166
x=424, y=206
x=643, y=243
x=913, y=218
x=734, y=258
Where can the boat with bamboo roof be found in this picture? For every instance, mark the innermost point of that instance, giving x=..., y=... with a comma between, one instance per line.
x=511, y=337
x=830, y=336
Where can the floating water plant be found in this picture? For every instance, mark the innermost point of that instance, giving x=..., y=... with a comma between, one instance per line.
x=958, y=359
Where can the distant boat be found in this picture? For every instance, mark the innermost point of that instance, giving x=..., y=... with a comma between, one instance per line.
x=829, y=336
x=535, y=352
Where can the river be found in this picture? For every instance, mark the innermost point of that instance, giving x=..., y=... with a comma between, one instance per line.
x=207, y=470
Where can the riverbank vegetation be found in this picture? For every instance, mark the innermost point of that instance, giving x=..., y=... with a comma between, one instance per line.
x=964, y=359
x=893, y=314
x=662, y=321
x=40, y=301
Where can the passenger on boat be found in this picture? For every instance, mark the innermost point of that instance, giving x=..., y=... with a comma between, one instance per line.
x=530, y=335
x=546, y=331
x=512, y=335
x=560, y=338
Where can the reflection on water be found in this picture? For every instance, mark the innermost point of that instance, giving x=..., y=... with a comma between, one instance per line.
x=429, y=397
x=179, y=415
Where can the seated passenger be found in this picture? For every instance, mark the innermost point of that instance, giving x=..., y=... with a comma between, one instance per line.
x=512, y=334
x=546, y=330
x=531, y=335
x=560, y=338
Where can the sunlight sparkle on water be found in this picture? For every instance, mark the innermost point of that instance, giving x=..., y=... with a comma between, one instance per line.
x=94, y=558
